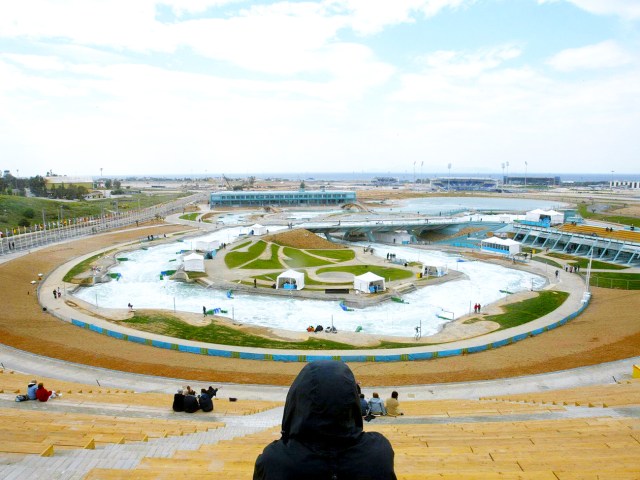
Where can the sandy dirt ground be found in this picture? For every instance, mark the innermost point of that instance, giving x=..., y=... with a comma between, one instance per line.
x=608, y=330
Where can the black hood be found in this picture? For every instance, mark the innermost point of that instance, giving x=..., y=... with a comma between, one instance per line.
x=323, y=407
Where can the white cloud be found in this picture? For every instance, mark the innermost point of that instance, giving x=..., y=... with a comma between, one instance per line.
x=371, y=16
x=607, y=54
x=627, y=9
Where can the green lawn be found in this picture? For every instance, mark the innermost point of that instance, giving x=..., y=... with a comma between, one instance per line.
x=583, y=210
x=173, y=327
x=299, y=259
x=548, y=261
x=527, y=310
x=236, y=258
x=83, y=266
x=343, y=255
x=13, y=208
x=622, y=281
x=388, y=273
x=189, y=216
x=584, y=262
x=242, y=245
x=269, y=264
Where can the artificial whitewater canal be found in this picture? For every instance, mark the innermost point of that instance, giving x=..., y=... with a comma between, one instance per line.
x=141, y=285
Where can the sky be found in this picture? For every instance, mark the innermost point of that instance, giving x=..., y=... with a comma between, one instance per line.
x=211, y=86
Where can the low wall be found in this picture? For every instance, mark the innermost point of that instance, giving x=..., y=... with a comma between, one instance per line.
x=347, y=356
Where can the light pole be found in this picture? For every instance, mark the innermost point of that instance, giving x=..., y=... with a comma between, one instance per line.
x=414, y=172
x=449, y=179
x=502, y=173
x=507, y=164
x=612, y=172
x=525, y=173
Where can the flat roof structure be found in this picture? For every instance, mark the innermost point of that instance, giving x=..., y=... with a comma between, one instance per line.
x=281, y=197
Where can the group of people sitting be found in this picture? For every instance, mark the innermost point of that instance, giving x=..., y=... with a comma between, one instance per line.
x=36, y=391
x=186, y=400
x=320, y=328
x=376, y=407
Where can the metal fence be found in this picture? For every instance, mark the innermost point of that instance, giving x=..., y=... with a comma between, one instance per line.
x=25, y=238
x=618, y=283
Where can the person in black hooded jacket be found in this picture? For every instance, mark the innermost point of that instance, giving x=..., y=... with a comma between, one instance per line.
x=322, y=436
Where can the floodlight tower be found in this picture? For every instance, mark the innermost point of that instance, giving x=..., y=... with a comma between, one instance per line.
x=525, y=173
x=507, y=164
x=449, y=179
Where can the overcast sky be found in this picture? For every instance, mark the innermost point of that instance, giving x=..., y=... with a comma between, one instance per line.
x=210, y=86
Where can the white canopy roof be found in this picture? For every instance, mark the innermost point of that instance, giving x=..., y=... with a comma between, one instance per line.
x=290, y=280
x=500, y=241
x=193, y=262
x=367, y=280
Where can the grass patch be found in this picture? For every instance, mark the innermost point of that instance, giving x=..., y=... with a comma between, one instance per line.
x=12, y=207
x=242, y=245
x=268, y=264
x=621, y=281
x=189, y=216
x=527, y=310
x=221, y=334
x=584, y=262
x=583, y=210
x=234, y=259
x=83, y=266
x=340, y=255
x=548, y=261
x=388, y=273
x=597, y=264
x=299, y=259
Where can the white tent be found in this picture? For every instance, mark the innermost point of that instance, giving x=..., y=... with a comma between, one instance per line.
x=290, y=280
x=500, y=245
x=210, y=246
x=539, y=215
x=193, y=262
x=434, y=269
x=257, y=229
x=369, y=283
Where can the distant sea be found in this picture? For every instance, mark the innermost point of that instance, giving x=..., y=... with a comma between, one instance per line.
x=405, y=176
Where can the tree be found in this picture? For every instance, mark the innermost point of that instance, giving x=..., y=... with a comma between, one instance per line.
x=24, y=222
x=29, y=213
x=108, y=183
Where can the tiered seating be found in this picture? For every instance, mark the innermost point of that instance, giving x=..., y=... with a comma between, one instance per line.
x=550, y=449
x=230, y=460
x=467, y=408
x=40, y=431
x=561, y=449
x=11, y=382
x=624, y=235
x=613, y=395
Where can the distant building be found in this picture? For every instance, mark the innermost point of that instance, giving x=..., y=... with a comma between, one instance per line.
x=537, y=181
x=629, y=185
x=289, y=198
x=464, y=183
x=384, y=181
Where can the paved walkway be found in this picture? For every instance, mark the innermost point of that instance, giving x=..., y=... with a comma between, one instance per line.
x=29, y=363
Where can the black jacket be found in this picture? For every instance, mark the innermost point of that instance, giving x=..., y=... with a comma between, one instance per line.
x=322, y=436
x=178, y=402
x=206, y=404
x=191, y=404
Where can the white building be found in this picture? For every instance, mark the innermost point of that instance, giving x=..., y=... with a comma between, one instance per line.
x=505, y=246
